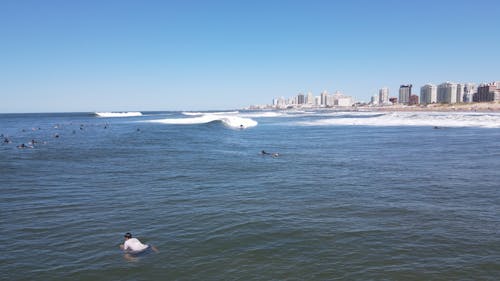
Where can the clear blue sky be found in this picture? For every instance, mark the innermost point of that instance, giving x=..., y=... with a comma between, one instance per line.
x=196, y=55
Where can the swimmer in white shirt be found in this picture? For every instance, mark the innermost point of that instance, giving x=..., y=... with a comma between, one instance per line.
x=132, y=246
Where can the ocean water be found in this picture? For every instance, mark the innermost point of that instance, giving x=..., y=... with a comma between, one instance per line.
x=352, y=196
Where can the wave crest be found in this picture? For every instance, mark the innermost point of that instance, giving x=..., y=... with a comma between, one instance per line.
x=230, y=121
x=212, y=113
x=118, y=114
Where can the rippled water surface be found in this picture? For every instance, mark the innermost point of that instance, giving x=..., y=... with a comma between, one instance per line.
x=347, y=199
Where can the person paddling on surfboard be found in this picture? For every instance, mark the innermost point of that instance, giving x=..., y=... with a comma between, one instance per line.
x=274, y=155
x=133, y=246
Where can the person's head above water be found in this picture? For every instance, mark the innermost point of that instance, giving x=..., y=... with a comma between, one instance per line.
x=127, y=235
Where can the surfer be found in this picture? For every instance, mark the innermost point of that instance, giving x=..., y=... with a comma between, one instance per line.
x=274, y=154
x=132, y=246
x=22, y=146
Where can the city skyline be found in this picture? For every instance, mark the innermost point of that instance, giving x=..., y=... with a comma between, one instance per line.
x=61, y=56
x=444, y=93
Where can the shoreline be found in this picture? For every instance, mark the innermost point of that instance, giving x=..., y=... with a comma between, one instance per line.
x=462, y=107
x=458, y=107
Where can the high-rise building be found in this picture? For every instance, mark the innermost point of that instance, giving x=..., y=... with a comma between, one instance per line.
x=447, y=92
x=300, y=99
x=460, y=92
x=279, y=102
x=383, y=96
x=317, y=101
x=324, y=98
x=428, y=94
x=469, y=90
x=340, y=99
x=488, y=92
x=310, y=98
x=405, y=93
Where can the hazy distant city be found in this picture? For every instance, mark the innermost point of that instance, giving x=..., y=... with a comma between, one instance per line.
x=444, y=93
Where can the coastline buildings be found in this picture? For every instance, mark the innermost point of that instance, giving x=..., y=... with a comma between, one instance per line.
x=324, y=98
x=405, y=93
x=428, y=94
x=383, y=96
x=413, y=100
x=340, y=99
x=460, y=92
x=300, y=99
x=469, y=90
x=447, y=92
x=488, y=92
x=309, y=100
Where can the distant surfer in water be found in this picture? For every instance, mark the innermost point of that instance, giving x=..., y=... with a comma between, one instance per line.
x=23, y=146
x=132, y=247
x=274, y=155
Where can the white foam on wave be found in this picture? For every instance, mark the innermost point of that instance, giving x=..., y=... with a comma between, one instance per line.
x=213, y=113
x=118, y=114
x=273, y=114
x=230, y=121
x=266, y=114
x=435, y=119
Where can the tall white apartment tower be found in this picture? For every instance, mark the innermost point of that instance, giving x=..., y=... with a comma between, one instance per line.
x=310, y=98
x=447, y=92
x=460, y=92
x=383, y=96
x=469, y=90
x=428, y=94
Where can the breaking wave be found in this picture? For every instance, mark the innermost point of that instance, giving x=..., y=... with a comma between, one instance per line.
x=230, y=121
x=264, y=114
x=213, y=113
x=449, y=119
x=118, y=114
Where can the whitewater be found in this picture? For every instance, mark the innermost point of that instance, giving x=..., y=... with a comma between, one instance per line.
x=248, y=119
x=434, y=119
x=228, y=119
x=118, y=114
